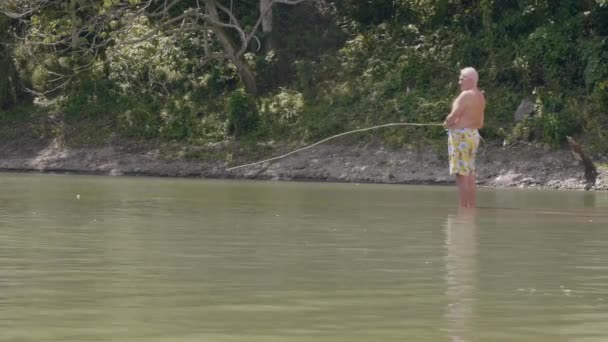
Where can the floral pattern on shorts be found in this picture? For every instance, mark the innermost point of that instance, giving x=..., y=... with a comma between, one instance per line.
x=462, y=147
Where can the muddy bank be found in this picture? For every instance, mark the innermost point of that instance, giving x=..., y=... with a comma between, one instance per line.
x=523, y=166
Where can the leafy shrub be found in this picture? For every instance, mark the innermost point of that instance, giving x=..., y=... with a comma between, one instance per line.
x=243, y=115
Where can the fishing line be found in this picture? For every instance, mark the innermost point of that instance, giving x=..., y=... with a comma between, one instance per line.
x=333, y=137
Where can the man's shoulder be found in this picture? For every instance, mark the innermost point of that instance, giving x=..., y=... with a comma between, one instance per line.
x=472, y=95
x=465, y=96
x=469, y=93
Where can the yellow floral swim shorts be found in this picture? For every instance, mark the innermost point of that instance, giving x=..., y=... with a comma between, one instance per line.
x=462, y=147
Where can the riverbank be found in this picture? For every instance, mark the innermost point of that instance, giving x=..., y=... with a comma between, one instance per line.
x=523, y=166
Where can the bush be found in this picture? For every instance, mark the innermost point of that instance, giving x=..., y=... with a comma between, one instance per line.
x=140, y=118
x=243, y=115
x=90, y=98
x=282, y=111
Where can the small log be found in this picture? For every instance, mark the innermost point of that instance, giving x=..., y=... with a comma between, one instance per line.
x=583, y=158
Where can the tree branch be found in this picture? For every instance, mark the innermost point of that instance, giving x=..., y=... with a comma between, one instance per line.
x=263, y=14
x=234, y=20
x=158, y=28
x=165, y=9
x=29, y=7
x=88, y=37
x=288, y=2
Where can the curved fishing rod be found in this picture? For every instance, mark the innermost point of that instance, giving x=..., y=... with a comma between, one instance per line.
x=333, y=137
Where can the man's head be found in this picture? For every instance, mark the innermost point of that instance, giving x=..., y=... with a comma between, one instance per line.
x=468, y=79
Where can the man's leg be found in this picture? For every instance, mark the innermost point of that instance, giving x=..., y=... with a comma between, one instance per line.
x=462, y=184
x=471, y=179
x=471, y=190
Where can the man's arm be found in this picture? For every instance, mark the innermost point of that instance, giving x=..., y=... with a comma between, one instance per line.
x=457, y=110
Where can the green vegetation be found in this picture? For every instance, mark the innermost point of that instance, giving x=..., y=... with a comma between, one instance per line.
x=323, y=69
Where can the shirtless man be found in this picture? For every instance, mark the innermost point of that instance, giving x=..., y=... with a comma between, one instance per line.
x=463, y=138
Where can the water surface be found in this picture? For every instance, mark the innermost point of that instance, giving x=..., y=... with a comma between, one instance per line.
x=144, y=259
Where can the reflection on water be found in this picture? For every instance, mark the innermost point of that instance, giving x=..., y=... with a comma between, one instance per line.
x=461, y=272
x=141, y=259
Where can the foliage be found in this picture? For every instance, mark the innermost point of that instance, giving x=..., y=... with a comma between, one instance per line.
x=243, y=115
x=335, y=66
x=11, y=93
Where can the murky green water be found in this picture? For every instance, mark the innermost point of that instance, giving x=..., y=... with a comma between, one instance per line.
x=141, y=259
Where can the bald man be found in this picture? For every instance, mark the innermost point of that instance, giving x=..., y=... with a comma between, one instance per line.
x=463, y=137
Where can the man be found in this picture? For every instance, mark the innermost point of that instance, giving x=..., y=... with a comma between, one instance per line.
x=463, y=137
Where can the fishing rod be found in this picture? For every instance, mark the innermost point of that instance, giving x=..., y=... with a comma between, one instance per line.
x=333, y=137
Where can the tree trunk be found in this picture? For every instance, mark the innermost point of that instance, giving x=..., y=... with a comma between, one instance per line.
x=243, y=69
x=267, y=24
x=9, y=85
x=6, y=94
x=74, y=28
x=487, y=7
x=246, y=75
x=583, y=158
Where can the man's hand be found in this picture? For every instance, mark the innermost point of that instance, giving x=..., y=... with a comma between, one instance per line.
x=449, y=121
x=457, y=109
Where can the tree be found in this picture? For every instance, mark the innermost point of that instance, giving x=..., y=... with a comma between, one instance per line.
x=266, y=14
x=82, y=30
x=9, y=81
